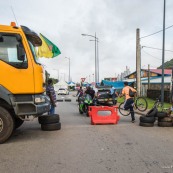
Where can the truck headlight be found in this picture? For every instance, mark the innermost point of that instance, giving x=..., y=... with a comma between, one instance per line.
x=40, y=99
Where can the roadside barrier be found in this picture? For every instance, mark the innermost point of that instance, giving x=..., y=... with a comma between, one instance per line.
x=97, y=118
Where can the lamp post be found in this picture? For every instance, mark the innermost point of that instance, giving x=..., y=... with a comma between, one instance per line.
x=69, y=69
x=96, y=57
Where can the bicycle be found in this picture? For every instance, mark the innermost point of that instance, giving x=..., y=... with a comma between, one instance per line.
x=159, y=106
x=140, y=103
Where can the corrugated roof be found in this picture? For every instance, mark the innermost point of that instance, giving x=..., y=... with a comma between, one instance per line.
x=159, y=71
x=167, y=72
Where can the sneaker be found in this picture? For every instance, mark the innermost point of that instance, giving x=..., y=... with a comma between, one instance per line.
x=133, y=121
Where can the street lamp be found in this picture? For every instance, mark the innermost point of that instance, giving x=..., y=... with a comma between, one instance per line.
x=96, y=61
x=69, y=69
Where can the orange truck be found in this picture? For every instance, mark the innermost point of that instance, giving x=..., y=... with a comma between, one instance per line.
x=22, y=79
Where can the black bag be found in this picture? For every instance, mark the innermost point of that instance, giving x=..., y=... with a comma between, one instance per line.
x=131, y=93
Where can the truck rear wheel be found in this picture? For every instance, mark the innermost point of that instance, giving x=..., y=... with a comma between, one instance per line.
x=6, y=125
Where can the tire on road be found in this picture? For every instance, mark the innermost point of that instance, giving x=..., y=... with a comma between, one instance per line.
x=145, y=119
x=146, y=124
x=67, y=100
x=165, y=124
x=49, y=119
x=59, y=100
x=152, y=112
x=18, y=122
x=51, y=127
x=165, y=119
x=6, y=125
x=161, y=114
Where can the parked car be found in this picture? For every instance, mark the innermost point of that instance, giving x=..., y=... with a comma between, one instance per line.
x=63, y=91
x=103, y=95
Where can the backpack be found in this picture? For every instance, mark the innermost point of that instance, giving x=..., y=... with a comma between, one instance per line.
x=131, y=93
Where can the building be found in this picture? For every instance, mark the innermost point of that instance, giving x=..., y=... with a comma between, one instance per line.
x=154, y=81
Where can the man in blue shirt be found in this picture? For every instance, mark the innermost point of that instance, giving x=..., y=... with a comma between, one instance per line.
x=114, y=95
x=51, y=93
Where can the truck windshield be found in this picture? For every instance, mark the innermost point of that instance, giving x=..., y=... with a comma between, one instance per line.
x=33, y=49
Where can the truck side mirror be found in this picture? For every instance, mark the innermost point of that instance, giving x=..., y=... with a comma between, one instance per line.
x=20, y=52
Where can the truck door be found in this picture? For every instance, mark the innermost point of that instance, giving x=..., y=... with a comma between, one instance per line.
x=16, y=70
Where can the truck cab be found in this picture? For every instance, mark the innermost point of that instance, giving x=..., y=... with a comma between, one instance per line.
x=22, y=78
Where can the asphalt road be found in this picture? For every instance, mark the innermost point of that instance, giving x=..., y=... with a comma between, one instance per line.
x=80, y=147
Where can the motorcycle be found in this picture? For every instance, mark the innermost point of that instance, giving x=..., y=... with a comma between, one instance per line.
x=84, y=103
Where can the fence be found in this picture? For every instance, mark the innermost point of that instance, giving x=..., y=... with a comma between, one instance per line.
x=153, y=94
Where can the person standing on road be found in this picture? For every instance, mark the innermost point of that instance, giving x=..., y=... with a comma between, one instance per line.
x=129, y=102
x=51, y=93
x=114, y=95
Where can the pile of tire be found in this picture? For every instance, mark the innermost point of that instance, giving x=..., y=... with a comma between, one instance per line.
x=50, y=122
x=149, y=119
x=164, y=120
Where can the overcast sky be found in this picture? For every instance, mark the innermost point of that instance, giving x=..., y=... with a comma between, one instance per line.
x=115, y=23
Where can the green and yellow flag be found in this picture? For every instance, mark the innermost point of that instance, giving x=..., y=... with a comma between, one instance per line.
x=47, y=49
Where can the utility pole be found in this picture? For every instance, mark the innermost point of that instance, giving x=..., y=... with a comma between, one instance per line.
x=138, y=62
x=172, y=87
x=163, y=54
x=96, y=59
x=148, y=76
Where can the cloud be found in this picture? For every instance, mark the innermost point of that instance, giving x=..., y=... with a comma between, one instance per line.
x=114, y=21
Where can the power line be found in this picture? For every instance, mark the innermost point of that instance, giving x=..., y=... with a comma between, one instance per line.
x=156, y=48
x=156, y=32
x=151, y=55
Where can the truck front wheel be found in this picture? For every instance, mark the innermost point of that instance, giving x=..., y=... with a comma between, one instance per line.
x=6, y=125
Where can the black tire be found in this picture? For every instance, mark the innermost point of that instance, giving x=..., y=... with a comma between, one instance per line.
x=18, y=122
x=152, y=112
x=49, y=119
x=161, y=114
x=59, y=100
x=122, y=111
x=141, y=104
x=165, y=119
x=144, y=119
x=67, y=100
x=51, y=127
x=6, y=125
x=146, y=124
x=165, y=124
